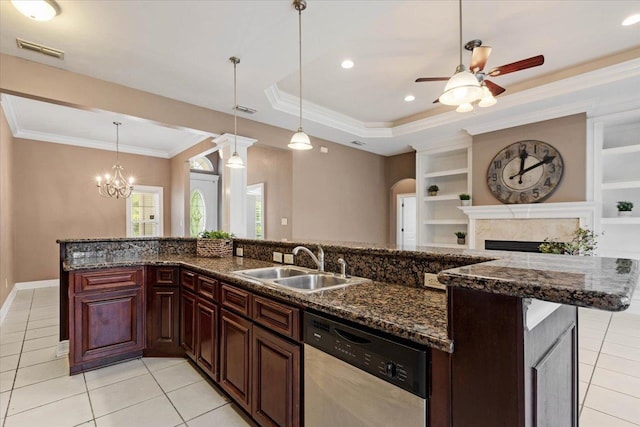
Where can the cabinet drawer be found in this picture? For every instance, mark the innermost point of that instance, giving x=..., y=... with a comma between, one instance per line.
x=277, y=317
x=163, y=276
x=208, y=288
x=108, y=279
x=235, y=299
x=188, y=279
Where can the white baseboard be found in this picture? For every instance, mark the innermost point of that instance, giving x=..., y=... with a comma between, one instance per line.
x=63, y=348
x=24, y=285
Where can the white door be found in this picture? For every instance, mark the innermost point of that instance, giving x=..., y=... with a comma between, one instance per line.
x=406, y=219
x=203, y=202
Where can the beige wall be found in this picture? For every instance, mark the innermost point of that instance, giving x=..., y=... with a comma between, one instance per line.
x=566, y=134
x=56, y=198
x=6, y=217
x=398, y=169
x=273, y=167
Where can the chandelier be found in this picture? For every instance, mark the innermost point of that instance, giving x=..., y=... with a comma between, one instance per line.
x=114, y=184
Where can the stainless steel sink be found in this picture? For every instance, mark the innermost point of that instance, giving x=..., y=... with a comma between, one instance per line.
x=300, y=279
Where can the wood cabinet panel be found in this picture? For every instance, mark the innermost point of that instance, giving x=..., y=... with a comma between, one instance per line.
x=207, y=337
x=163, y=276
x=187, y=323
x=276, y=380
x=163, y=323
x=108, y=324
x=208, y=288
x=235, y=360
x=277, y=317
x=235, y=299
x=188, y=280
x=105, y=279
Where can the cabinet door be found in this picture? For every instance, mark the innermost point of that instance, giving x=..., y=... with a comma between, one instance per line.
x=163, y=327
x=276, y=380
x=207, y=337
x=163, y=276
x=108, y=324
x=187, y=323
x=235, y=357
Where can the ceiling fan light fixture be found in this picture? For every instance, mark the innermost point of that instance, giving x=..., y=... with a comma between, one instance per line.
x=462, y=88
x=300, y=141
x=465, y=108
x=487, y=98
x=38, y=10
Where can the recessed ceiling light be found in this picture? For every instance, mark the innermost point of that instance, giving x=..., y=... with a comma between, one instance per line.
x=409, y=98
x=347, y=63
x=630, y=20
x=38, y=10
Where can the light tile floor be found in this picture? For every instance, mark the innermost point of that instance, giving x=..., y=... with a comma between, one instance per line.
x=36, y=390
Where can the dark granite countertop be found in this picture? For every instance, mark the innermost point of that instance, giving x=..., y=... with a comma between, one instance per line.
x=419, y=315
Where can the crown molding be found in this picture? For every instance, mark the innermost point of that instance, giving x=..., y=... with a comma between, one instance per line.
x=225, y=139
x=461, y=140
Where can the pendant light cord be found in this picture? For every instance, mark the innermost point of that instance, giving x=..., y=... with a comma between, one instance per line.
x=235, y=110
x=117, y=142
x=300, y=61
x=460, y=27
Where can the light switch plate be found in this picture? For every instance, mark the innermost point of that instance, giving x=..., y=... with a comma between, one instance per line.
x=239, y=252
x=283, y=221
x=288, y=258
x=277, y=257
x=431, y=281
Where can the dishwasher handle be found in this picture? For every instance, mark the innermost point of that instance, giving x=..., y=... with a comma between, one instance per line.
x=351, y=337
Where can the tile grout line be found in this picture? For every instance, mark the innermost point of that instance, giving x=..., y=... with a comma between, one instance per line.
x=86, y=387
x=613, y=416
x=164, y=392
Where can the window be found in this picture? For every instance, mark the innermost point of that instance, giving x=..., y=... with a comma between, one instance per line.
x=255, y=203
x=201, y=163
x=198, y=213
x=144, y=212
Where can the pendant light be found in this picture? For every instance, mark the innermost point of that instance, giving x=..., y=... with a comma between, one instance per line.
x=300, y=140
x=235, y=161
x=463, y=87
x=115, y=185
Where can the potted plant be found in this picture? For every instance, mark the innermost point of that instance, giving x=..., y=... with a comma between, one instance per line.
x=433, y=190
x=624, y=208
x=214, y=244
x=461, y=235
x=465, y=199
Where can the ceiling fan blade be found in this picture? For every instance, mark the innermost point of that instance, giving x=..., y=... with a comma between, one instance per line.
x=517, y=66
x=432, y=79
x=494, y=88
x=479, y=58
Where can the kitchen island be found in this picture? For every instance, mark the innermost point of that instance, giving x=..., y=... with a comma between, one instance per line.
x=491, y=364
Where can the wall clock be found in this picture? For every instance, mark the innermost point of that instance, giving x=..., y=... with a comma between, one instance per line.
x=525, y=172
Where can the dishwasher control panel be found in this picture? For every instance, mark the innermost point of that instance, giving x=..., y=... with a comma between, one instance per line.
x=394, y=362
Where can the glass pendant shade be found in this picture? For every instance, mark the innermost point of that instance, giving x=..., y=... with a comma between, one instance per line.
x=300, y=141
x=464, y=108
x=38, y=10
x=235, y=161
x=462, y=88
x=487, y=98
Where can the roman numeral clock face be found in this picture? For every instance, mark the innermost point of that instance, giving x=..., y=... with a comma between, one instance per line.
x=525, y=172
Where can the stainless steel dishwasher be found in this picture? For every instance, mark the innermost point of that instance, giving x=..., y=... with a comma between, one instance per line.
x=354, y=378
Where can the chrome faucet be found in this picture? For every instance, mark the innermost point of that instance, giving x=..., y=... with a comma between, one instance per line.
x=343, y=267
x=319, y=260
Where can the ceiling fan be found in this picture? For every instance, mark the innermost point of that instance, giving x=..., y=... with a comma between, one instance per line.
x=469, y=85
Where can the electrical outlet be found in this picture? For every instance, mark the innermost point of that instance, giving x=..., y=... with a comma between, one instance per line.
x=239, y=252
x=431, y=281
x=288, y=258
x=277, y=257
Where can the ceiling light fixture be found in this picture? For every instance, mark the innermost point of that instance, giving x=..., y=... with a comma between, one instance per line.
x=38, y=10
x=631, y=20
x=347, y=64
x=409, y=98
x=235, y=161
x=463, y=87
x=300, y=140
x=115, y=185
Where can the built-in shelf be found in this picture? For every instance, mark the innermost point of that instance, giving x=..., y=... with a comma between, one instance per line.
x=446, y=245
x=620, y=254
x=623, y=220
x=449, y=172
x=620, y=185
x=442, y=198
x=621, y=150
x=446, y=222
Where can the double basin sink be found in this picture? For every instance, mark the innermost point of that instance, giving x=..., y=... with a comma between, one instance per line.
x=300, y=279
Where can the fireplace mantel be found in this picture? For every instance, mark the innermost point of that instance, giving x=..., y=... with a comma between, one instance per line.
x=584, y=212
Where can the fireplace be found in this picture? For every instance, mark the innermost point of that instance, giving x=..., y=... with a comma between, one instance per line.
x=512, y=245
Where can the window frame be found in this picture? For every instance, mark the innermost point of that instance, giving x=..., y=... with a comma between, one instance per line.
x=159, y=191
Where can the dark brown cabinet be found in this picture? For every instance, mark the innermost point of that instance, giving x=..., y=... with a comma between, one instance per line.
x=275, y=380
x=107, y=318
x=207, y=337
x=235, y=357
x=187, y=323
x=163, y=308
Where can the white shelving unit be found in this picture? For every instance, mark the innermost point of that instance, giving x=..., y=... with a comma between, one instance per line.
x=446, y=164
x=616, y=145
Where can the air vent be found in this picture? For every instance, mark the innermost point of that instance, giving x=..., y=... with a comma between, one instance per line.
x=245, y=109
x=35, y=47
x=358, y=143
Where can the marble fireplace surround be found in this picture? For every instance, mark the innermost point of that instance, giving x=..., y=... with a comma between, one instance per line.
x=527, y=222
